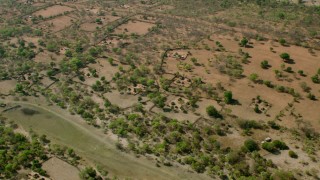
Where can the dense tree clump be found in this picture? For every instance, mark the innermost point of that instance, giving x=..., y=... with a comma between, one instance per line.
x=18, y=152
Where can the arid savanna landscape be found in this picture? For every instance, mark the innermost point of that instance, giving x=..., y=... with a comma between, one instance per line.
x=160, y=89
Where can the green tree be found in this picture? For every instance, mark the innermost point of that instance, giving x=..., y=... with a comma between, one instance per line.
x=280, y=145
x=292, y=154
x=269, y=146
x=285, y=56
x=244, y=42
x=228, y=97
x=76, y=64
x=251, y=145
x=213, y=112
x=264, y=64
x=254, y=77
x=88, y=174
x=315, y=79
x=52, y=46
x=19, y=87
x=94, y=52
x=79, y=48
x=282, y=41
x=98, y=21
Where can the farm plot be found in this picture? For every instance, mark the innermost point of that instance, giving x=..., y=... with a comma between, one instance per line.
x=91, y=27
x=59, y=169
x=52, y=11
x=7, y=86
x=56, y=24
x=136, y=27
x=121, y=100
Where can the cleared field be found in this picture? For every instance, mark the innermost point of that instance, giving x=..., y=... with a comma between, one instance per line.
x=122, y=100
x=89, y=27
x=47, y=57
x=58, y=169
x=93, y=145
x=6, y=86
x=52, y=11
x=57, y=24
x=137, y=27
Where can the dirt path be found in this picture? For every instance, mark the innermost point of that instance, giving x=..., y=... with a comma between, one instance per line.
x=97, y=147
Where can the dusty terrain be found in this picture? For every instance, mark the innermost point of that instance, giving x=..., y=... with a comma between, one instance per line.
x=166, y=89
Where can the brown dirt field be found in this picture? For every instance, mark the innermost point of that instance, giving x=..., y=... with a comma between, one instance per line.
x=91, y=27
x=109, y=18
x=303, y=162
x=244, y=90
x=52, y=11
x=46, y=81
x=303, y=60
x=89, y=80
x=6, y=86
x=137, y=27
x=90, y=24
x=310, y=112
x=244, y=94
x=234, y=140
x=57, y=24
x=104, y=68
x=122, y=100
x=60, y=170
x=47, y=57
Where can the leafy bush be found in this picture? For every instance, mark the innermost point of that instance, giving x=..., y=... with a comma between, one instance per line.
x=228, y=97
x=280, y=145
x=282, y=41
x=269, y=146
x=273, y=125
x=251, y=145
x=292, y=154
x=52, y=46
x=249, y=124
x=89, y=174
x=315, y=79
x=244, y=42
x=213, y=112
x=274, y=146
x=264, y=64
x=281, y=174
x=285, y=56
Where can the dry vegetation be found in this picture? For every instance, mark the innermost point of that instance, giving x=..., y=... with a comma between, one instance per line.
x=225, y=89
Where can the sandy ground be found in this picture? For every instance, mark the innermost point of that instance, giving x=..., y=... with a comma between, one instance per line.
x=6, y=86
x=58, y=169
x=91, y=27
x=57, y=24
x=52, y=11
x=122, y=100
x=137, y=27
